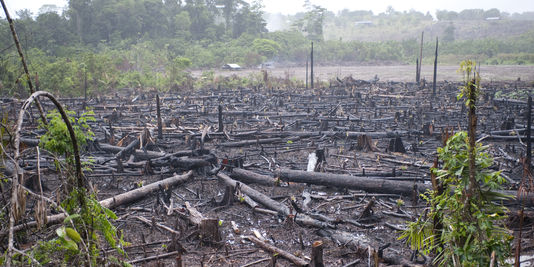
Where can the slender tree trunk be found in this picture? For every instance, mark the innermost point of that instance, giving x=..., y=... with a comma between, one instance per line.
x=311, y=68
x=221, y=122
x=417, y=70
x=420, y=59
x=160, y=124
x=84, y=87
x=472, y=135
x=435, y=69
x=529, y=124
x=307, y=72
x=23, y=60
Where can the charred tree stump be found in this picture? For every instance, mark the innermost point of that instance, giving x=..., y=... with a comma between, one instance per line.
x=323, y=126
x=368, y=210
x=208, y=227
x=365, y=143
x=396, y=145
x=317, y=254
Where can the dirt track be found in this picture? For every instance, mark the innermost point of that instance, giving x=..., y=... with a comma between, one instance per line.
x=393, y=73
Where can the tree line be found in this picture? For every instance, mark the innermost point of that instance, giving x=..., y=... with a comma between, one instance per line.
x=103, y=44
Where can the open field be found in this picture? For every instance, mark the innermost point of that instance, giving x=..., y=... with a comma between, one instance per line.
x=405, y=73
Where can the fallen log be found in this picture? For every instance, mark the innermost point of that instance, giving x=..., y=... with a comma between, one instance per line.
x=138, y=153
x=351, y=182
x=176, y=159
x=376, y=185
x=115, y=201
x=251, y=142
x=255, y=195
x=346, y=239
x=164, y=227
x=141, y=192
x=270, y=203
x=182, y=163
x=252, y=177
x=506, y=137
x=155, y=257
x=125, y=151
x=346, y=134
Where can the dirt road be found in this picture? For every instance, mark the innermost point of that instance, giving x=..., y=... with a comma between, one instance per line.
x=393, y=73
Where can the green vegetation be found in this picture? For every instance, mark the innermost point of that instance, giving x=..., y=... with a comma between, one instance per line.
x=115, y=44
x=57, y=138
x=80, y=238
x=463, y=225
x=471, y=230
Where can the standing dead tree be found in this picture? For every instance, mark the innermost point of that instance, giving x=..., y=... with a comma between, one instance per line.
x=418, y=71
x=435, y=69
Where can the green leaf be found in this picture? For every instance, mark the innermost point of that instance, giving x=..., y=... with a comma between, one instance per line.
x=69, y=244
x=61, y=232
x=73, y=234
x=70, y=218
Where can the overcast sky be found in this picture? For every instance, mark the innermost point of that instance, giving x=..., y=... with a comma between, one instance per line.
x=377, y=6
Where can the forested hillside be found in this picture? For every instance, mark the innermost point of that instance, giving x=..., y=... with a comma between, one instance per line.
x=150, y=43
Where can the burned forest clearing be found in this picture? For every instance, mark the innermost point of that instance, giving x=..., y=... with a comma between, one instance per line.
x=270, y=176
x=266, y=133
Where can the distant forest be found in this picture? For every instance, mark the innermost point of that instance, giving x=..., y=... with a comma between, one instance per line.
x=106, y=44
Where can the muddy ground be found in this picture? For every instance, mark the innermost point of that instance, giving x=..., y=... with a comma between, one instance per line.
x=399, y=73
x=284, y=126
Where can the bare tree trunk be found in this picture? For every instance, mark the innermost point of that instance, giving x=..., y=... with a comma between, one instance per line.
x=306, y=72
x=23, y=60
x=420, y=58
x=311, y=67
x=160, y=129
x=417, y=70
x=472, y=135
x=435, y=69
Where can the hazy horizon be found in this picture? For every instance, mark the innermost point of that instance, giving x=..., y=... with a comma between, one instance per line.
x=378, y=6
